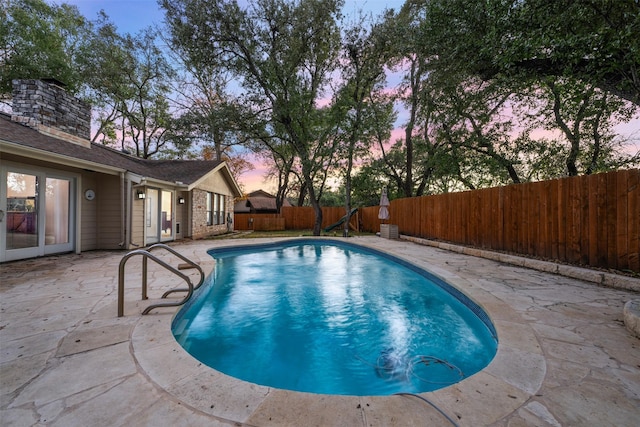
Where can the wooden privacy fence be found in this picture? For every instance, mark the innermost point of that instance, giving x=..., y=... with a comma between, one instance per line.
x=591, y=220
x=292, y=218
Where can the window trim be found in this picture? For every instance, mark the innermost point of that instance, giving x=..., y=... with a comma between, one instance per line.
x=215, y=208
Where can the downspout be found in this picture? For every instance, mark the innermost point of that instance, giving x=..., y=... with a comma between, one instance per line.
x=128, y=219
x=78, y=221
x=123, y=213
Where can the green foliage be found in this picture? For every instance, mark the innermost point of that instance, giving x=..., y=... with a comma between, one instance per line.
x=476, y=88
x=596, y=41
x=360, y=109
x=282, y=53
x=492, y=91
x=38, y=40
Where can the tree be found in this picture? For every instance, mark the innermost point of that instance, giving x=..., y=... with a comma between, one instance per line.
x=596, y=41
x=206, y=107
x=359, y=101
x=282, y=53
x=105, y=86
x=146, y=118
x=129, y=86
x=39, y=40
x=585, y=116
x=467, y=97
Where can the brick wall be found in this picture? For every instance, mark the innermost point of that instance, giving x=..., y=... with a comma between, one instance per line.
x=47, y=107
x=199, y=227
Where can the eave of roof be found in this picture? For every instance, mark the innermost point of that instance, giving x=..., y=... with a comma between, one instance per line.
x=18, y=139
x=61, y=159
x=226, y=173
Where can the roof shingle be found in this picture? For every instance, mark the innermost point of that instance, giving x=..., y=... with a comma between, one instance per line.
x=184, y=171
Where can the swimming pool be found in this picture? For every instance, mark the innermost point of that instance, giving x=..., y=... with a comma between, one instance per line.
x=331, y=317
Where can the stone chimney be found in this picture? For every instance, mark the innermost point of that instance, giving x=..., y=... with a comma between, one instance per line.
x=46, y=106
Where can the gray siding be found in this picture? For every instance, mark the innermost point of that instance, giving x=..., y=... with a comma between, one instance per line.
x=109, y=229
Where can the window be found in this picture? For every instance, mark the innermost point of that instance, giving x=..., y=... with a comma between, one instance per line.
x=215, y=209
x=210, y=208
x=221, y=209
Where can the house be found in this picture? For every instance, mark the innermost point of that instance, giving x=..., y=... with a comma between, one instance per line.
x=62, y=193
x=258, y=201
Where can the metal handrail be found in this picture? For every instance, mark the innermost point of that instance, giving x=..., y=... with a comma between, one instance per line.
x=147, y=255
x=182, y=257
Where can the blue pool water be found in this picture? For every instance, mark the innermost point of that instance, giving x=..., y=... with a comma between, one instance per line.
x=333, y=318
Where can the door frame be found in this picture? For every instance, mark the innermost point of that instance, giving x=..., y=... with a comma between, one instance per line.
x=156, y=209
x=74, y=212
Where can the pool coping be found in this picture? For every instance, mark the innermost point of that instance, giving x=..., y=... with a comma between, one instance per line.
x=502, y=386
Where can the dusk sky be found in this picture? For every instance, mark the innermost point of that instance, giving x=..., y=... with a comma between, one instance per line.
x=133, y=15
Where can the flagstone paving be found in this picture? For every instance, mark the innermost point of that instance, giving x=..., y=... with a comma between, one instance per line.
x=564, y=357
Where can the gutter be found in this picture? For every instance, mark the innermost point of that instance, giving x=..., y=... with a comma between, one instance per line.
x=35, y=153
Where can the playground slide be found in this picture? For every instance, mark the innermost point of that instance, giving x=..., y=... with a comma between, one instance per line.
x=341, y=221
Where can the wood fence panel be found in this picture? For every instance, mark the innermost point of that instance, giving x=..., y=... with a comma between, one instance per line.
x=331, y=215
x=397, y=206
x=562, y=201
x=401, y=220
x=246, y=221
x=448, y=216
x=241, y=221
x=600, y=221
x=416, y=218
x=469, y=206
x=369, y=217
x=573, y=221
x=516, y=223
x=538, y=241
x=452, y=219
x=393, y=209
x=510, y=228
x=593, y=195
x=491, y=219
x=458, y=219
x=543, y=246
x=435, y=222
x=581, y=211
x=622, y=249
x=569, y=229
x=611, y=216
x=529, y=211
x=406, y=220
x=498, y=241
x=474, y=214
x=515, y=207
x=593, y=220
x=553, y=218
x=426, y=225
x=532, y=229
x=464, y=204
x=633, y=220
x=435, y=219
x=298, y=217
x=268, y=224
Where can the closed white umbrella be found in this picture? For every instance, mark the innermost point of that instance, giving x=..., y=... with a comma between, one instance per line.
x=383, y=213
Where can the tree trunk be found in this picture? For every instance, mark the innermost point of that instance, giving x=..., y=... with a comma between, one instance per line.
x=317, y=226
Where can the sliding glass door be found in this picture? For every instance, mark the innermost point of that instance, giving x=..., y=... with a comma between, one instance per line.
x=159, y=215
x=36, y=213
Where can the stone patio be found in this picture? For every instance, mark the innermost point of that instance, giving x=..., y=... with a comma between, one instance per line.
x=564, y=358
